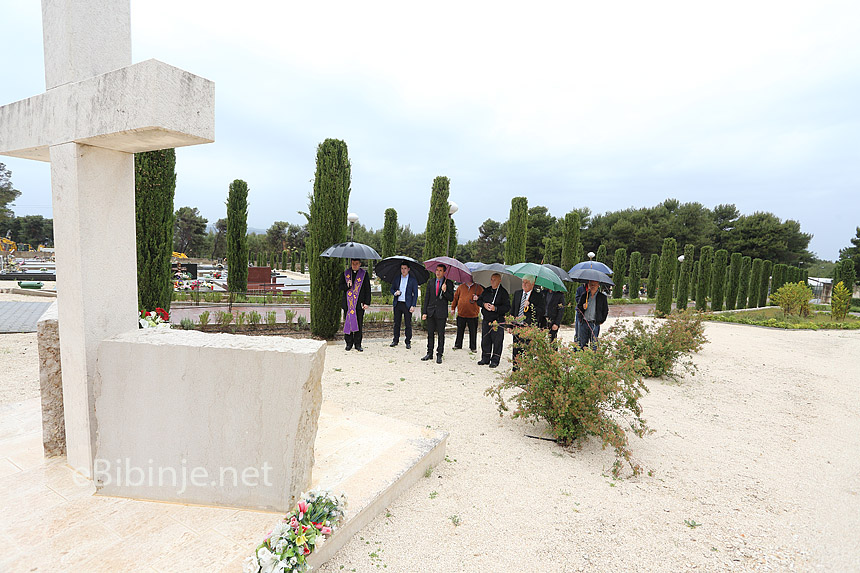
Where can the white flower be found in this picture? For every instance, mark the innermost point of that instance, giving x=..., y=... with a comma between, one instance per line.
x=267, y=560
x=250, y=565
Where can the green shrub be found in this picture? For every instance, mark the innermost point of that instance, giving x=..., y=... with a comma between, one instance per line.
x=793, y=299
x=271, y=318
x=254, y=318
x=302, y=322
x=662, y=345
x=653, y=276
x=186, y=324
x=289, y=315
x=686, y=270
x=734, y=280
x=744, y=284
x=706, y=260
x=578, y=392
x=203, y=319
x=667, y=274
x=241, y=318
x=619, y=267
x=224, y=319
x=840, y=302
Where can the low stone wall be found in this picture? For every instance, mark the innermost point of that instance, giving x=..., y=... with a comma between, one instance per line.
x=186, y=416
x=51, y=384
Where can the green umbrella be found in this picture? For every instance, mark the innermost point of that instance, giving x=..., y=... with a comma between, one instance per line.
x=543, y=276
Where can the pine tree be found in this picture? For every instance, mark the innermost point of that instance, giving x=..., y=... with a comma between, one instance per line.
x=515, y=243
x=744, y=284
x=635, y=274
x=601, y=256
x=764, y=285
x=667, y=268
x=653, y=275
x=237, y=237
x=619, y=267
x=569, y=247
x=686, y=269
x=755, y=283
x=326, y=227
x=436, y=233
x=706, y=261
x=154, y=189
x=718, y=279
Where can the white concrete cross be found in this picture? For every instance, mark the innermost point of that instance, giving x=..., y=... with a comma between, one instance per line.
x=98, y=111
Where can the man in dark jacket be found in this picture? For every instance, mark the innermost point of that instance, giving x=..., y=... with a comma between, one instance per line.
x=434, y=311
x=405, y=291
x=553, y=312
x=527, y=307
x=355, y=284
x=495, y=304
x=592, y=307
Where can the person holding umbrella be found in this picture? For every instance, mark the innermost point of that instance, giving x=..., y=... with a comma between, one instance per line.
x=592, y=307
x=434, y=311
x=528, y=305
x=355, y=285
x=466, y=304
x=405, y=292
x=495, y=304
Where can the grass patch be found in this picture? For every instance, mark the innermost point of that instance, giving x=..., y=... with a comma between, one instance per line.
x=632, y=300
x=775, y=317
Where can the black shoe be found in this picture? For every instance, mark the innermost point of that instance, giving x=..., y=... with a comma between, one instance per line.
x=483, y=362
x=359, y=348
x=496, y=365
x=473, y=350
x=408, y=346
x=457, y=347
x=427, y=357
x=349, y=347
x=393, y=344
x=438, y=360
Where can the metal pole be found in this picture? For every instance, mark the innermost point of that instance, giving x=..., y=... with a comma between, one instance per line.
x=448, y=245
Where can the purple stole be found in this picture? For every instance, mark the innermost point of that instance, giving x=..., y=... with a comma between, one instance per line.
x=350, y=325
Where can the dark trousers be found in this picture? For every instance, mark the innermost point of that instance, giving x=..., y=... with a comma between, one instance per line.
x=553, y=334
x=401, y=311
x=587, y=333
x=354, y=338
x=435, y=328
x=462, y=323
x=517, y=350
x=491, y=343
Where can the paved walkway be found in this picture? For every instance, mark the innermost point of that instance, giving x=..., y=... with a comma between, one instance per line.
x=21, y=316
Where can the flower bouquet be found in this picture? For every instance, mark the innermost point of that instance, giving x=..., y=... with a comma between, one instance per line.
x=294, y=538
x=154, y=318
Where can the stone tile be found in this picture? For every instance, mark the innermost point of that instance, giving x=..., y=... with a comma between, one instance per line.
x=25, y=451
x=67, y=550
x=248, y=528
x=207, y=552
x=50, y=522
x=21, y=316
x=7, y=467
x=200, y=518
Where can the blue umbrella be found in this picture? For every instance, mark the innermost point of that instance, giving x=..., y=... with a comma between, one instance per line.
x=593, y=265
x=585, y=275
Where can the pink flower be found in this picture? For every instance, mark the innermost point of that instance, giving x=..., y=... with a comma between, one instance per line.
x=325, y=530
x=303, y=507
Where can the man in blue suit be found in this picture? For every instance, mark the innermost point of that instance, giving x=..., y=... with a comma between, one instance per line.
x=405, y=293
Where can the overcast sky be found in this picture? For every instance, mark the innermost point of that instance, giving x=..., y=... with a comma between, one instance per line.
x=607, y=105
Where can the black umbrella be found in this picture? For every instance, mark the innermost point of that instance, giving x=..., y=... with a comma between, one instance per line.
x=351, y=250
x=388, y=269
x=585, y=275
x=562, y=274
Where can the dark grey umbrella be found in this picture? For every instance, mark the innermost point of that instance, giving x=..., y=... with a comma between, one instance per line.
x=388, y=269
x=351, y=250
x=562, y=274
x=584, y=275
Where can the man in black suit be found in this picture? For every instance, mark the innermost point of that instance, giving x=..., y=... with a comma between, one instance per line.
x=434, y=311
x=528, y=307
x=495, y=304
x=553, y=313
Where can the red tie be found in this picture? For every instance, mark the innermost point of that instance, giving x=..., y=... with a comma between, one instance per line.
x=437, y=287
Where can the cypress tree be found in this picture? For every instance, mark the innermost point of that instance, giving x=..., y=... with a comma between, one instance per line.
x=326, y=227
x=619, y=268
x=305, y=260
x=744, y=285
x=778, y=277
x=601, y=256
x=755, y=283
x=837, y=273
x=734, y=281
x=635, y=274
x=515, y=243
x=849, y=275
x=436, y=233
x=764, y=285
x=806, y=276
x=718, y=279
x=667, y=267
x=579, y=253
x=653, y=275
x=706, y=260
x=569, y=247
x=677, y=270
x=237, y=237
x=685, y=276
x=452, y=238
x=284, y=259
x=389, y=242
x=154, y=189
x=694, y=281
x=293, y=261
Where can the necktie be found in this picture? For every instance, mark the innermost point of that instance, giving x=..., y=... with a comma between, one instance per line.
x=437, y=287
x=523, y=303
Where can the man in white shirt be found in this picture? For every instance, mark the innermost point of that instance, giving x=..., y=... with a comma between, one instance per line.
x=405, y=293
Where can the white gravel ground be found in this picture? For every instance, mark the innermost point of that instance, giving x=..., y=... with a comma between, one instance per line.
x=758, y=451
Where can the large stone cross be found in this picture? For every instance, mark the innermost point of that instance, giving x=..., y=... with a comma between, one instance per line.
x=98, y=111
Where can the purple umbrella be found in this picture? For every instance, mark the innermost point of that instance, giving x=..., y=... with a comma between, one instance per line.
x=457, y=271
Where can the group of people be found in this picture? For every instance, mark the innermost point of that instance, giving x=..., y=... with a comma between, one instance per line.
x=529, y=307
